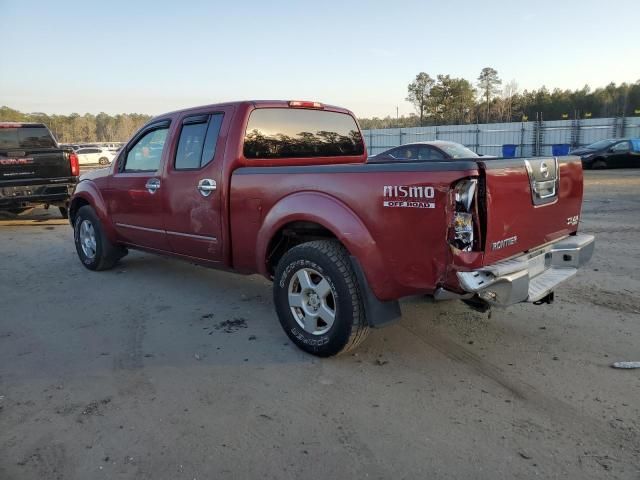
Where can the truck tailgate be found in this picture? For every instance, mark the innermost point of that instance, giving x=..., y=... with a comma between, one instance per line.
x=529, y=202
x=33, y=164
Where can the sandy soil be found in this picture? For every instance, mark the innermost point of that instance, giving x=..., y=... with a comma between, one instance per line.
x=163, y=370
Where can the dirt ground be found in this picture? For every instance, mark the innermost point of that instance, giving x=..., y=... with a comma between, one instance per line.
x=163, y=370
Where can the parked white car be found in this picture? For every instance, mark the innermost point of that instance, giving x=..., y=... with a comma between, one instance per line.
x=93, y=155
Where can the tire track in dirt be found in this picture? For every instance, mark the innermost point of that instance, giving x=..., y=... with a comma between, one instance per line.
x=557, y=410
x=129, y=365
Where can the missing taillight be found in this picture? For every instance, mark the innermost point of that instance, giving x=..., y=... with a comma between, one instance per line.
x=464, y=192
x=462, y=234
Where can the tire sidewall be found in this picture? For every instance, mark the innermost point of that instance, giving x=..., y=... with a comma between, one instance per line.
x=332, y=341
x=87, y=213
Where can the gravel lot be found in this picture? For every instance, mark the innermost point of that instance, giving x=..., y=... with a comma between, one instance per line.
x=163, y=370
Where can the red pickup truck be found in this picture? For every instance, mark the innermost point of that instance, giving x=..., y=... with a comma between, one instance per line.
x=284, y=189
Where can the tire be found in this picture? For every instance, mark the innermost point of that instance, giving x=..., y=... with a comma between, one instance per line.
x=103, y=161
x=599, y=164
x=94, y=249
x=64, y=211
x=320, y=280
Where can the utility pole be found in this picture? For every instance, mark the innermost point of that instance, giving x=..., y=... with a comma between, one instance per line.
x=397, y=117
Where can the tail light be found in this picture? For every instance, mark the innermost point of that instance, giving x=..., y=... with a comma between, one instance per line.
x=462, y=234
x=75, y=164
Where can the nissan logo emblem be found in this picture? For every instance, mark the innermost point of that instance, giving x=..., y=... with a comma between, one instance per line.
x=544, y=170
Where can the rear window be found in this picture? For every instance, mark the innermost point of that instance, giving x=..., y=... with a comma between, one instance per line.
x=295, y=133
x=455, y=150
x=26, y=137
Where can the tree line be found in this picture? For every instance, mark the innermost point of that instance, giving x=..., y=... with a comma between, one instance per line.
x=447, y=100
x=77, y=128
x=443, y=100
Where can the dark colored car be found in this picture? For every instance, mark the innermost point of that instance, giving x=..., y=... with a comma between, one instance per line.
x=610, y=153
x=34, y=170
x=434, y=150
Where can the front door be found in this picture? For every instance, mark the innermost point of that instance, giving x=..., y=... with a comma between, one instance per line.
x=193, y=177
x=135, y=193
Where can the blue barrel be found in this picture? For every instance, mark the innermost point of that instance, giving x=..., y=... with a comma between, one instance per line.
x=509, y=151
x=560, y=150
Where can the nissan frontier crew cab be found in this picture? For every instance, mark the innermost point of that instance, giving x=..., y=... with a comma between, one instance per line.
x=284, y=189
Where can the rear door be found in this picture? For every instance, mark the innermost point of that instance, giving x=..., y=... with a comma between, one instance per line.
x=135, y=192
x=529, y=202
x=620, y=155
x=30, y=153
x=193, y=185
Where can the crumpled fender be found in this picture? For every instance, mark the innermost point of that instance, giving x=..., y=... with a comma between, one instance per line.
x=336, y=217
x=88, y=191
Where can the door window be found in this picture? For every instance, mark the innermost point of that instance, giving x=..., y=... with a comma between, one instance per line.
x=428, y=153
x=621, y=147
x=405, y=153
x=146, y=154
x=197, y=144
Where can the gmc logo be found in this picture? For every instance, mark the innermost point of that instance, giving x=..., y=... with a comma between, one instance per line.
x=16, y=161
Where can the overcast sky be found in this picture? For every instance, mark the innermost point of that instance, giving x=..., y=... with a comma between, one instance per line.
x=154, y=56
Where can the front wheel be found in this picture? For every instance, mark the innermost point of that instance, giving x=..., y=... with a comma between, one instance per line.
x=94, y=249
x=103, y=161
x=599, y=164
x=318, y=300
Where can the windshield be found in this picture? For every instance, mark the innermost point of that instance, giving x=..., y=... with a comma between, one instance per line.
x=455, y=150
x=600, y=145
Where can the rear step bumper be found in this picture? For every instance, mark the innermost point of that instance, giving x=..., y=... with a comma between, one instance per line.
x=532, y=276
x=27, y=194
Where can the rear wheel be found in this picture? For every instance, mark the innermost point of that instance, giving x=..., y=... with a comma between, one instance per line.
x=64, y=211
x=94, y=249
x=318, y=299
x=103, y=161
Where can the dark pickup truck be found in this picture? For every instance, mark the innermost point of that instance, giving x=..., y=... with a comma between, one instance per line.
x=284, y=189
x=33, y=169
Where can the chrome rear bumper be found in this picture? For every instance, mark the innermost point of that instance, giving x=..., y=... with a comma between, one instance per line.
x=532, y=276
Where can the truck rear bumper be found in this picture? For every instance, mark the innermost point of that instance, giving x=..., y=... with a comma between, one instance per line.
x=532, y=276
x=21, y=195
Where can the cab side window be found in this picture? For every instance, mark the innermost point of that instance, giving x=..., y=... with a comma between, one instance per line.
x=405, y=153
x=428, y=153
x=146, y=154
x=621, y=147
x=197, y=144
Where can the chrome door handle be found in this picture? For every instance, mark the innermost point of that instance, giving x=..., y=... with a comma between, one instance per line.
x=206, y=186
x=152, y=185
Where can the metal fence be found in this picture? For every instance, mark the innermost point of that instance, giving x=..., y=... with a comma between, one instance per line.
x=531, y=139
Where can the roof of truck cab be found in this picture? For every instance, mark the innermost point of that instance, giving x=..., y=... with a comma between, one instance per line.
x=20, y=124
x=254, y=103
